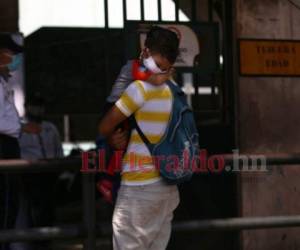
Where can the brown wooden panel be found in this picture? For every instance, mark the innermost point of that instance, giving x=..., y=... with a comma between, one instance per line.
x=270, y=57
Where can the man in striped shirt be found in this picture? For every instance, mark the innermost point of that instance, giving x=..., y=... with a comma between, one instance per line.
x=145, y=204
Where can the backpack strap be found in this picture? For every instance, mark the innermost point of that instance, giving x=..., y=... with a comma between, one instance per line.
x=141, y=133
x=175, y=90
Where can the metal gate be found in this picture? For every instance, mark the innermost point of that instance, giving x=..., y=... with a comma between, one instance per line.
x=209, y=82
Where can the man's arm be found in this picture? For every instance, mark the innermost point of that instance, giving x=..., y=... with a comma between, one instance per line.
x=1, y=101
x=110, y=121
x=131, y=100
x=57, y=143
x=119, y=139
x=8, y=126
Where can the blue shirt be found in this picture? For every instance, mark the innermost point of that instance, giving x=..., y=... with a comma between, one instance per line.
x=9, y=118
x=45, y=145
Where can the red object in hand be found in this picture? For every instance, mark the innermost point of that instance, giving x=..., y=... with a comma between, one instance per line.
x=139, y=72
x=105, y=187
x=115, y=163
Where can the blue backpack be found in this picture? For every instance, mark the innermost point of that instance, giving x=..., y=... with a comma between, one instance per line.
x=178, y=149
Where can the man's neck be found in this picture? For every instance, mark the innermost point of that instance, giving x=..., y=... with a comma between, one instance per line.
x=4, y=73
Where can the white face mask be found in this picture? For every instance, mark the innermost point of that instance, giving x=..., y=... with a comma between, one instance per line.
x=150, y=64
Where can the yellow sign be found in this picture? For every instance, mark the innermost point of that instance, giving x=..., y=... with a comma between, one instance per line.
x=269, y=58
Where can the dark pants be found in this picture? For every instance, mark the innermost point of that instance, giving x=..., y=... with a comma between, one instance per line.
x=36, y=208
x=9, y=149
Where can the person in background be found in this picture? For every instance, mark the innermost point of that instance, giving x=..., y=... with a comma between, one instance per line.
x=10, y=60
x=39, y=139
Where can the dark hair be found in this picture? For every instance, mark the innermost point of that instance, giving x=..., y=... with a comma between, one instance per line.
x=35, y=99
x=164, y=42
x=6, y=42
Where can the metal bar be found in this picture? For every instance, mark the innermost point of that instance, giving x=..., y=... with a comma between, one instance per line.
x=89, y=210
x=238, y=224
x=214, y=97
x=53, y=165
x=106, y=24
x=159, y=10
x=230, y=71
x=210, y=11
x=124, y=11
x=40, y=234
x=58, y=165
x=176, y=10
x=194, y=11
x=230, y=224
x=107, y=58
x=142, y=10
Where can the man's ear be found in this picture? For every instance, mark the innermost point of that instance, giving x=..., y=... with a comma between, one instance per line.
x=146, y=52
x=5, y=58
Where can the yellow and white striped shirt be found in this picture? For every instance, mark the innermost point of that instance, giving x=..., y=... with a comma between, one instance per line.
x=152, y=106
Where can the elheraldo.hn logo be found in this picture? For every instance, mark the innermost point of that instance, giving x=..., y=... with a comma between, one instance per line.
x=202, y=163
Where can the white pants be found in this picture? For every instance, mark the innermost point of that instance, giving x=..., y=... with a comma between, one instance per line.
x=143, y=215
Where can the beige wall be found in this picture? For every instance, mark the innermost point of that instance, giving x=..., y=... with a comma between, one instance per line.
x=269, y=121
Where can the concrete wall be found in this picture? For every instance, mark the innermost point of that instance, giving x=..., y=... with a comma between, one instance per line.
x=269, y=122
x=9, y=15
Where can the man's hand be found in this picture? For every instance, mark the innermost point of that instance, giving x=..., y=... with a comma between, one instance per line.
x=119, y=139
x=160, y=78
x=32, y=128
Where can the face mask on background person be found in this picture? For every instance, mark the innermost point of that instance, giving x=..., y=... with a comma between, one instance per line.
x=15, y=63
x=35, y=113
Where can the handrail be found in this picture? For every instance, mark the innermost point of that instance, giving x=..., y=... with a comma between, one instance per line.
x=229, y=224
x=238, y=224
x=74, y=163
x=88, y=228
x=42, y=233
x=38, y=166
x=88, y=225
